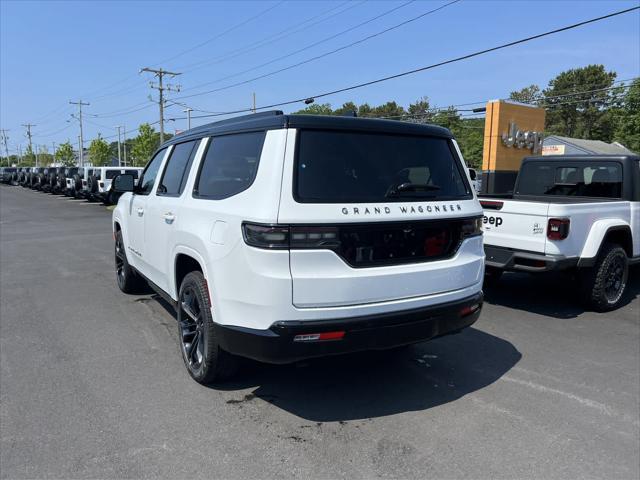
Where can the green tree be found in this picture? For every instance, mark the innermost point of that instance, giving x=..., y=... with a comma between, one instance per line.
x=365, y=110
x=389, y=109
x=579, y=103
x=144, y=145
x=530, y=94
x=627, y=130
x=346, y=108
x=65, y=154
x=99, y=152
x=316, y=109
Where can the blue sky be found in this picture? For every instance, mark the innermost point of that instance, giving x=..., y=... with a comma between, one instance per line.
x=51, y=52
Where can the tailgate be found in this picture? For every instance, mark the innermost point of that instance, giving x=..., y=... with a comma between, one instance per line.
x=515, y=224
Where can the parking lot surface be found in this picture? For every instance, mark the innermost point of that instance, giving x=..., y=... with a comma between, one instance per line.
x=92, y=383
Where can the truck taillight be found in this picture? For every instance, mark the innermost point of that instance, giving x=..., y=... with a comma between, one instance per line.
x=558, y=228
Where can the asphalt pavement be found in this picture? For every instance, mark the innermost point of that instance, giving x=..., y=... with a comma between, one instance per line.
x=92, y=384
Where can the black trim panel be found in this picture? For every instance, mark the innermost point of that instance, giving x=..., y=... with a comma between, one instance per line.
x=523, y=261
x=373, y=332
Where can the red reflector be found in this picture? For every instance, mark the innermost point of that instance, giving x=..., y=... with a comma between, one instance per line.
x=316, y=337
x=469, y=309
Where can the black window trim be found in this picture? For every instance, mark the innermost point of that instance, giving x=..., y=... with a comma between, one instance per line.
x=194, y=192
x=458, y=161
x=141, y=176
x=187, y=169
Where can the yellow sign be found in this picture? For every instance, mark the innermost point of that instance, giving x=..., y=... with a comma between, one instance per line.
x=512, y=131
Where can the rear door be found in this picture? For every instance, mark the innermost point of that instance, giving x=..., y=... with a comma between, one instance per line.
x=376, y=217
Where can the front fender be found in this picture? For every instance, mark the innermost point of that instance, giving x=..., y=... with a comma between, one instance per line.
x=598, y=231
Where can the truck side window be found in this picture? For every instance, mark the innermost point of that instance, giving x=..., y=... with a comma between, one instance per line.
x=176, y=170
x=150, y=173
x=230, y=165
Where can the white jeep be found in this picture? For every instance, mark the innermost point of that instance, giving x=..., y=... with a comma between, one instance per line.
x=99, y=182
x=579, y=213
x=283, y=237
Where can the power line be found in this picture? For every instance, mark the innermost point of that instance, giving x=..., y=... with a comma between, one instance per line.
x=307, y=47
x=428, y=67
x=287, y=32
x=317, y=57
x=215, y=37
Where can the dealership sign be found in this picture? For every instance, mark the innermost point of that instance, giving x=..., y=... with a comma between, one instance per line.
x=531, y=140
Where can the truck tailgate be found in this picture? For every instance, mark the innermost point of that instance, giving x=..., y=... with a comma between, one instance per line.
x=515, y=224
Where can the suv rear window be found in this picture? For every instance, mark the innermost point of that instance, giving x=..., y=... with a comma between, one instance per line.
x=342, y=166
x=230, y=165
x=592, y=179
x=111, y=174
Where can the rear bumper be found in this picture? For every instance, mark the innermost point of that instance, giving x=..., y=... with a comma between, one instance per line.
x=523, y=261
x=374, y=332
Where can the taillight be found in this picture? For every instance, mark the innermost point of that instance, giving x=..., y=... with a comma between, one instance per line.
x=558, y=228
x=314, y=237
x=472, y=227
x=265, y=236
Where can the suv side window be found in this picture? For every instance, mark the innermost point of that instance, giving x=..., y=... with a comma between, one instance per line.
x=177, y=169
x=150, y=173
x=230, y=165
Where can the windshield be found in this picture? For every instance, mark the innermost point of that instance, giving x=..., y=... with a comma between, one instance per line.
x=588, y=179
x=342, y=166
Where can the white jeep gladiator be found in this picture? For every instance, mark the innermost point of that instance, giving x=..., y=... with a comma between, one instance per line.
x=579, y=213
x=283, y=237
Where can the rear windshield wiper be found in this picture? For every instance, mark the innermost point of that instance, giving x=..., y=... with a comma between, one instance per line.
x=396, y=190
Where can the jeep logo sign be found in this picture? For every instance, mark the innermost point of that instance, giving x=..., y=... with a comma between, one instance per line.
x=497, y=221
x=522, y=139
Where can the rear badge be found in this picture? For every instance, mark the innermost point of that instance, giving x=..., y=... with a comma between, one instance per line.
x=403, y=209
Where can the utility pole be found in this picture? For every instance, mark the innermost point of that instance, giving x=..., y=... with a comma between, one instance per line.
x=118, y=127
x=254, y=102
x=80, y=103
x=28, y=126
x=124, y=144
x=188, y=111
x=4, y=140
x=161, y=87
x=19, y=154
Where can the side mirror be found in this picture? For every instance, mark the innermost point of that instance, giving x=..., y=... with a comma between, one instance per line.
x=123, y=183
x=472, y=174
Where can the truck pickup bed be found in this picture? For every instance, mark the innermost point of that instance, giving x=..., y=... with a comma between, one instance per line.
x=552, y=221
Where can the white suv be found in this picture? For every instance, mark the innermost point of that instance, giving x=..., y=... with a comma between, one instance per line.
x=283, y=237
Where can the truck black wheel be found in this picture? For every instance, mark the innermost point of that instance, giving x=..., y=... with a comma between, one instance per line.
x=128, y=280
x=604, y=284
x=206, y=362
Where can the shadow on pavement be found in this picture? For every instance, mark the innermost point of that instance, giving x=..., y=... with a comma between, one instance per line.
x=375, y=384
x=551, y=294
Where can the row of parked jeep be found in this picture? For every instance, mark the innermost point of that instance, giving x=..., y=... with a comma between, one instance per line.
x=91, y=183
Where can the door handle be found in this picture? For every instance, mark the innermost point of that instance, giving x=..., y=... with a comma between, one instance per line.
x=169, y=217
x=140, y=212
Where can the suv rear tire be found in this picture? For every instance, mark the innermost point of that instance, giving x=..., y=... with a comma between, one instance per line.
x=604, y=284
x=206, y=362
x=128, y=280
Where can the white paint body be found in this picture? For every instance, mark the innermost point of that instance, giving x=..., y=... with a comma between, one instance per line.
x=253, y=287
x=524, y=226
